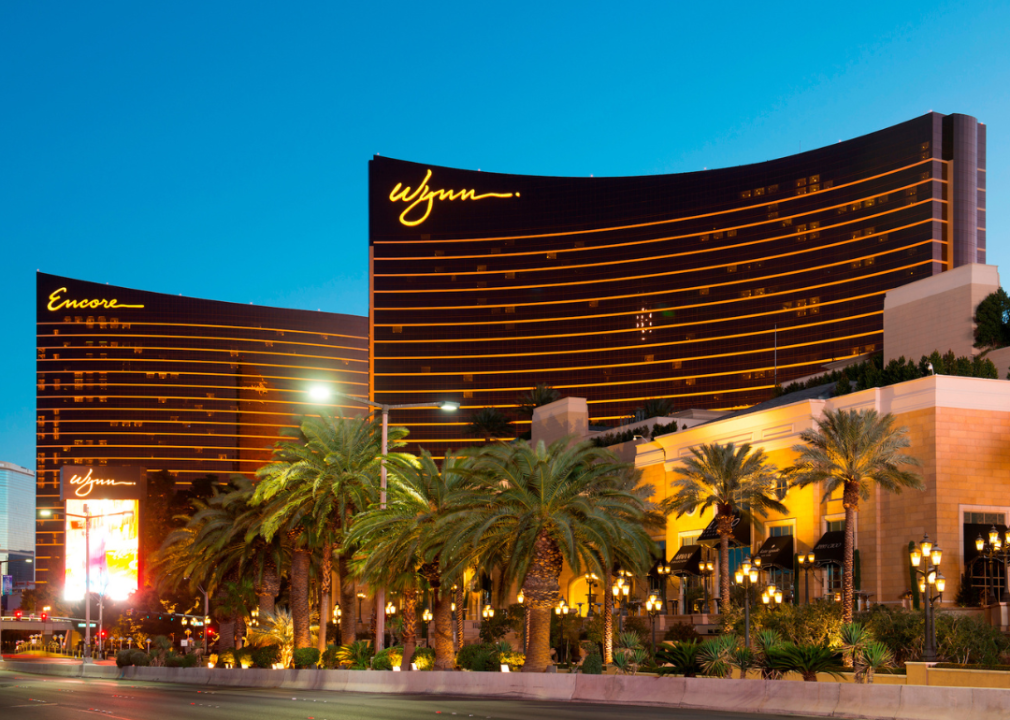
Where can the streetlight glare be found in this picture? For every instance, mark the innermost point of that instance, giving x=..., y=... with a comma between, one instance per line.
x=319, y=393
x=449, y=406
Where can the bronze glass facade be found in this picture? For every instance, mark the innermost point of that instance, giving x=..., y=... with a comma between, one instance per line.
x=705, y=288
x=194, y=387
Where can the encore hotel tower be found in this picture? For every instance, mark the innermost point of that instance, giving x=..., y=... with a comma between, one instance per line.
x=706, y=288
x=160, y=382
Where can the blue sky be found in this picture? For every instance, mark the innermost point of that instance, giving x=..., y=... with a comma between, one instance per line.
x=220, y=149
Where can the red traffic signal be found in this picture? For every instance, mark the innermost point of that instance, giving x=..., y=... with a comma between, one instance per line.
x=17, y=614
x=45, y=616
x=104, y=633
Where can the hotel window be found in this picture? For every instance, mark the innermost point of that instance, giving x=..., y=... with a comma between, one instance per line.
x=689, y=381
x=676, y=364
x=745, y=194
x=552, y=256
x=815, y=178
x=773, y=189
x=650, y=358
x=717, y=236
x=594, y=303
x=759, y=191
x=510, y=276
x=731, y=233
x=481, y=268
x=468, y=378
x=787, y=222
x=703, y=291
x=468, y=393
x=801, y=182
x=510, y=310
x=730, y=268
x=704, y=238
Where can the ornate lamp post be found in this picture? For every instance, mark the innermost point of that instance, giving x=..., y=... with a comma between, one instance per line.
x=562, y=611
x=591, y=580
x=426, y=618
x=653, y=606
x=487, y=613
x=521, y=598
x=746, y=576
x=929, y=577
x=806, y=566
x=994, y=549
x=706, y=569
x=621, y=590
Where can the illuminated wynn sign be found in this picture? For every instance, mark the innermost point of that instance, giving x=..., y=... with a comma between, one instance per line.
x=423, y=198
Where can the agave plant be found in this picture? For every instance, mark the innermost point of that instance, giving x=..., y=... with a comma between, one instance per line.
x=876, y=656
x=714, y=656
x=767, y=640
x=855, y=638
x=807, y=660
x=678, y=659
x=743, y=658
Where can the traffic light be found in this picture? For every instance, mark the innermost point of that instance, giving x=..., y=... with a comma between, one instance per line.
x=17, y=615
x=45, y=616
x=104, y=634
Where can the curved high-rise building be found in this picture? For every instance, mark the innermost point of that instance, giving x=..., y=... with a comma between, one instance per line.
x=705, y=288
x=161, y=382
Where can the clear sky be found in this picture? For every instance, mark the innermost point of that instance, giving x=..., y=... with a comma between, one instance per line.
x=219, y=149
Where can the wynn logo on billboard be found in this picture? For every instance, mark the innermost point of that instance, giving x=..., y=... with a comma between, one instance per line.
x=101, y=483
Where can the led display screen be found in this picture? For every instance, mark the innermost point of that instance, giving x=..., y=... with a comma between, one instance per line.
x=114, y=547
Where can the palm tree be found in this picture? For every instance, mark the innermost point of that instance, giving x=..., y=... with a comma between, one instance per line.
x=310, y=491
x=542, y=506
x=854, y=451
x=541, y=394
x=736, y=481
x=489, y=423
x=655, y=407
x=398, y=544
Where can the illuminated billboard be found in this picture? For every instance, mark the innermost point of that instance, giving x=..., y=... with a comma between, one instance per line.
x=106, y=499
x=114, y=545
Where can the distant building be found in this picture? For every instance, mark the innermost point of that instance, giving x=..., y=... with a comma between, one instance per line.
x=17, y=524
x=198, y=388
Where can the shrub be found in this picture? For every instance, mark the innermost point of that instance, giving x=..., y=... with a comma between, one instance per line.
x=356, y=656
x=715, y=656
x=678, y=632
x=212, y=659
x=124, y=658
x=180, y=661
x=807, y=660
x=226, y=657
x=303, y=657
x=139, y=658
x=969, y=640
x=593, y=664
x=506, y=620
x=266, y=656
x=477, y=658
x=244, y=657
x=902, y=631
x=424, y=658
x=387, y=658
x=330, y=656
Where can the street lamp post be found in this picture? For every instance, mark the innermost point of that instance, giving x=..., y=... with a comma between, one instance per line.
x=621, y=590
x=998, y=550
x=562, y=611
x=653, y=606
x=427, y=617
x=321, y=393
x=706, y=568
x=806, y=565
x=746, y=576
x=591, y=581
x=929, y=577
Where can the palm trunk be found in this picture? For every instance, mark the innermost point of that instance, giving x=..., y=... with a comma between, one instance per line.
x=227, y=639
x=325, y=601
x=538, y=653
x=850, y=501
x=409, y=626
x=348, y=608
x=460, y=620
x=266, y=592
x=445, y=658
x=724, y=525
x=300, y=597
x=541, y=589
x=608, y=621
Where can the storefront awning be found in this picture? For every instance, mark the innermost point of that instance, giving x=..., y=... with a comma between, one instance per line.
x=740, y=536
x=830, y=548
x=777, y=552
x=971, y=533
x=685, y=562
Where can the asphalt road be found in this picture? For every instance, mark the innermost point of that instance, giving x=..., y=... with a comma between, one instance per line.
x=34, y=697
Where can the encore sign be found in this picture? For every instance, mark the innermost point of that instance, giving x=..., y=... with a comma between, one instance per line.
x=424, y=198
x=57, y=302
x=100, y=483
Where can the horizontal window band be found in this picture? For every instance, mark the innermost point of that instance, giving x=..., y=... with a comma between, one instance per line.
x=174, y=361
x=666, y=238
x=128, y=351
x=582, y=300
x=672, y=273
x=144, y=323
x=217, y=340
x=663, y=222
x=655, y=345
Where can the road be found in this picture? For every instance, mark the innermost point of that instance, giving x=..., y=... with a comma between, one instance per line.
x=34, y=697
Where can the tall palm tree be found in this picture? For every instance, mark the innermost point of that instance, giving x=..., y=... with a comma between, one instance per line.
x=310, y=491
x=542, y=506
x=398, y=544
x=734, y=480
x=489, y=423
x=854, y=451
x=655, y=407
